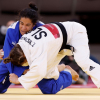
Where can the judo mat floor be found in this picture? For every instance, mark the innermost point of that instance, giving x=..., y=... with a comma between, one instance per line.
x=65, y=94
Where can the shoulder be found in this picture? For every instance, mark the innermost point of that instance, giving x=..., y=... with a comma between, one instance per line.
x=13, y=26
x=39, y=23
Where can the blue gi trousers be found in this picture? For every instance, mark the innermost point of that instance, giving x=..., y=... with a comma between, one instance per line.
x=4, y=75
x=51, y=86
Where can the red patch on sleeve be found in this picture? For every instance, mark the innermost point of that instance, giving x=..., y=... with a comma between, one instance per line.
x=53, y=30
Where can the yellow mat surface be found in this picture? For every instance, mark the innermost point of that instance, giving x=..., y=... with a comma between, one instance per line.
x=66, y=94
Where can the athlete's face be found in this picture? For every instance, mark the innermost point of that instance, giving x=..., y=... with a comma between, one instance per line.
x=25, y=25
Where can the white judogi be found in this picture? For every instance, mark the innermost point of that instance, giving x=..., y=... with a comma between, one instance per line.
x=41, y=48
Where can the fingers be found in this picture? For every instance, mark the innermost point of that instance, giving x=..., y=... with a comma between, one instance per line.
x=67, y=66
x=12, y=74
x=1, y=54
x=13, y=78
x=10, y=77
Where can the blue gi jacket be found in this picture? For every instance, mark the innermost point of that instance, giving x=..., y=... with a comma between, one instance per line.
x=12, y=37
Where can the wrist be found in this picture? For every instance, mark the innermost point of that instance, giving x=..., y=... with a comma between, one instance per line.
x=17, y=81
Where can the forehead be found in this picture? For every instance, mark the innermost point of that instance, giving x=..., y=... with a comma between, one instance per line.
x=25, y=20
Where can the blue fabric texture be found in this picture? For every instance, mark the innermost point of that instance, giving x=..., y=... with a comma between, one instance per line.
x=5, y=85
x=51, y=86
x=12, y=37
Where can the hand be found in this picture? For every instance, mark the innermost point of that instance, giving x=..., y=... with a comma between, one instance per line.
x=25, y=71
x=13, y=78
x=1, y=54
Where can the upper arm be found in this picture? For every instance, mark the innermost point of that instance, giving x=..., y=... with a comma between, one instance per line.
x=7, y=44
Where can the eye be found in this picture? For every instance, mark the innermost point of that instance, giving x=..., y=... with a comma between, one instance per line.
x=21, y=23
x=28, y=25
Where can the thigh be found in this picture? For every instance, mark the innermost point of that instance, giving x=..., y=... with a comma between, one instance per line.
x=4, y=78
x=51, y=86
x=3, y=71
x=4, y=84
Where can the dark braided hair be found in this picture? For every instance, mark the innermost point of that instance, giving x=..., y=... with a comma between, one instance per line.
x=16, y=56
x=30, y=13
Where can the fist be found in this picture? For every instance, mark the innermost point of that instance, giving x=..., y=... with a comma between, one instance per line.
x=1, y=54
x=13, y=78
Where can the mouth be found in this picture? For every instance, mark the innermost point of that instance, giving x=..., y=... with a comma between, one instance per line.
x=23, y=32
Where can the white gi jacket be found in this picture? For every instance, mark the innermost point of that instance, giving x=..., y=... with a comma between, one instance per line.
x=41, y=48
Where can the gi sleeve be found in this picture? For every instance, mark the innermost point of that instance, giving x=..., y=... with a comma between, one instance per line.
x=7, y=44
x=82, y=54
x=38, y=68
x=7, y=48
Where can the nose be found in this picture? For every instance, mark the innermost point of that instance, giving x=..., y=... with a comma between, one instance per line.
x=24, y=27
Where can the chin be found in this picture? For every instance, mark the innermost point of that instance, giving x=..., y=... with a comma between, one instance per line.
x=22, y=33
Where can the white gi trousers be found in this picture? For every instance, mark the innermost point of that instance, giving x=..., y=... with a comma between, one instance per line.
x=43, y=54
x=77, y=37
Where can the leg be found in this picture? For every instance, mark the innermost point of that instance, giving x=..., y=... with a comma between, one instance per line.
x=4, y=78
x=4, y=75
x=82, y=54
x=4, y=84
x=51, y=86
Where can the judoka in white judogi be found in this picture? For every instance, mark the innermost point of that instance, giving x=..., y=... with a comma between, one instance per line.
x=41, y=48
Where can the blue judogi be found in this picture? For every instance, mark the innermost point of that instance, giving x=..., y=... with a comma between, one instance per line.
x=52, y=86
x=12, y=37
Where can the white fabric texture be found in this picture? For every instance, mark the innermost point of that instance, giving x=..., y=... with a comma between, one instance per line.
x=43, y=54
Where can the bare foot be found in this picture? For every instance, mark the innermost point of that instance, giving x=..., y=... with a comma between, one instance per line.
x=74, y=74
x=61, y=67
